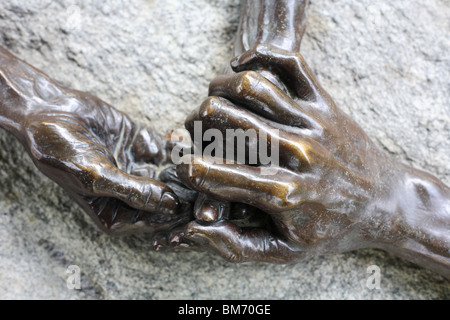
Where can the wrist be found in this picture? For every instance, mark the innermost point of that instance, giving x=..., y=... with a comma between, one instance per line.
x=412, y=220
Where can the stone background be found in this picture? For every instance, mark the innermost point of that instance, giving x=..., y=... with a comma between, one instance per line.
x=385, y=62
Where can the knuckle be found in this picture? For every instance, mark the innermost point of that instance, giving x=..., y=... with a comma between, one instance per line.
x=285, y=197
x=141, y=198
x=300, y=154
x=285, y=203
x=263, y=50
x=246, y=82
x=198, y=173
x=44, y=137
x=298, y=56
x=210, y=106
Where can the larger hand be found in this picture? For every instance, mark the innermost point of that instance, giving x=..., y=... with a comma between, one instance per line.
x=334, y=191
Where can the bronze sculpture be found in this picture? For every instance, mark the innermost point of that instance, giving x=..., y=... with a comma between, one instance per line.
x=334, y=190
x=96, y=153
x=116, y=213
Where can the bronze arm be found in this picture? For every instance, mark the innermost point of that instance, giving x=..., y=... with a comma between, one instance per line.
x=334, y=190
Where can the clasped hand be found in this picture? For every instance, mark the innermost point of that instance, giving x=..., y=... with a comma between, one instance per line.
x=321, y=197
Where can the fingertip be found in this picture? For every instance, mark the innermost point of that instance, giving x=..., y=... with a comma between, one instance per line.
x=159, y=242
x=235, y=63
x=190, y=120
x=240, y=63
x=169, y=203
x=198, y=229
x=210, y=210
x=190, y=230
x=207, y=213
x=195, y=232
x=177, y=240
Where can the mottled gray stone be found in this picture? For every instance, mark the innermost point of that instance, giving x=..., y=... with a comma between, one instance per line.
x=386, y=63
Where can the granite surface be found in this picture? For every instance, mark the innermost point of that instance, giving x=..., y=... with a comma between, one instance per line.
x=385, y=63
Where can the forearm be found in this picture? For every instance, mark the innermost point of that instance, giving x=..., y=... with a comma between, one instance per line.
x=419, y=224
x=27, y=96
x=280, y=23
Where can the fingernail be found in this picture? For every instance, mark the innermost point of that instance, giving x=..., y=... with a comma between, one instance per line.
x=190, y=230
x=210, y=210
x=157, y=245
x=175, y=240
x=168, y=204
x=207, y=214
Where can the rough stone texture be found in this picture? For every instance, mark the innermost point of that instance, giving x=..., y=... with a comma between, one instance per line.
x=385, y=62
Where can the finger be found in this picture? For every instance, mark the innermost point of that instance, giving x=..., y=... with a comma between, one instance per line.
x=174, y=240
x=219, y=116
x=114, y=217
x=178, y=242
x=215, y=109
x=256, y=93
x=242, y=245
x=289, y=66
x=69, y=154
x=141, y=193
x=159, y=242
x=293, y=149
x=240, y=183
x=210, y=210
x=170, y=178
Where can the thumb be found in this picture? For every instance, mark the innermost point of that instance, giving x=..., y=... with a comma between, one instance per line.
x=141, y=193
x=237, y=244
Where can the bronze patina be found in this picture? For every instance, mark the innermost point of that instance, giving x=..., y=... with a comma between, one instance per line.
x=101, y=157
x=333, y=190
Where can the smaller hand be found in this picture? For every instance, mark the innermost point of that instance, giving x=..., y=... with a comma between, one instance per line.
x=103, y=159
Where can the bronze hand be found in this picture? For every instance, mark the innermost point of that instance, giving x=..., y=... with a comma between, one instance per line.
x=103, y=159
x=334, y=190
